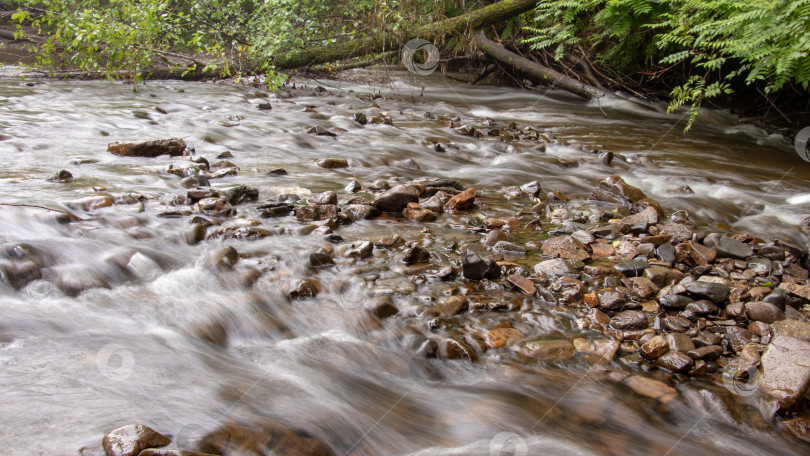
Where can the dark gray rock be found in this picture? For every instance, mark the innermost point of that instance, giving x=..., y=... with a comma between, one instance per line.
x=633, y=268
x=476, y=268
x=763, y=311
x=675, y=301
x=629, y=319
x=727, y=247
x=397, y=198
x=715, y=292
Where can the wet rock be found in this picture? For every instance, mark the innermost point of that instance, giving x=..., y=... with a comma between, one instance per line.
x=615, y=190
x=565, y=247
x=225, y=258
x=715, y=292
x=633, y=268
x=435, y=204
x=569, y=288
x=666, y=253
x=794, y=289
x=661, y=276
x=304, y=288
x=353, y=187
x=195, y=234
x=680, y=342
x=611, y=300
x=324, y=198
x=320, y=259
x=651, y=388
x=655, y=347
x=333, y=163
x=786, y=375
x=763, y=311
x=413, y=211
x=629, y=319
x=772, y=252
x=73, y=280
x=131, y=439
x=361, y=212
x=675, y=323
x=493, y=237
x=508, y=248
x=397, y=198
x=320, y=131
x=642, y=287
x=462, y=201
x=361, y=250
x=727, y=247
x=501, y=337
x=701, y=255
x=360, y=118
x=708, y=352
x=62, y=176
x=553, y=268
x=523, y=284
x=456, y=349
x=680, y=232
x=675, y=301
x=416, y=255
x=476, y=268
x=676, y=362
x=379, y=185
x=217, y=207
x=408, y=163
x=703, y=307
x=91, y=203
x=799, y=427
x=451, y=306
x=262, y=439
x=152, y=148
x=638, y=223
x=552, y=350
x=315, y=212
x=383, y=307
x=239, y=194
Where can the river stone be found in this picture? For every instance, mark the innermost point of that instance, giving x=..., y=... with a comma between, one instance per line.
x=655, y=347
x=715, y=292
x=501, y=337
x=675, y=323
x=763, y=311
x=456, y=349
x=413, y=211
x=565, y=247
x=772, y=252
x=476, y=268
x=239, y=194
x=629, y=319
x=661, y=276
x=708, y=352
x=611, y=300
x=569, y=288
x=675, y=301
x=703, y=307
x=632, y=268
x=801, y=291
x=361, y=250
x=62, y=176
x=266, y=438
x=651, y=388
x=383, y=307
x=131, y=439
x=333, y=163
x=320, y=259
x=508, y=248
x=786, y=366
x=680, y=342
x=553, y=268
x=674, y=361
x=462, y=201
x=493, y=237
x=615, y=190
x=727, y=247
x=315, y=212
x=416, y=255
x=397, y=198
x=324, y=198
x=700, y=254
x=666, y=253
x=638, y=223
x=799, y=427
x=434, y=203
x=642, y=287
x=451, y=306
x=357, y=212
x=151, y=148
x=547, y=350
x=304, y=288
x=525, y=285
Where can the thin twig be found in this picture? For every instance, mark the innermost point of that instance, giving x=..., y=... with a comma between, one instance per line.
x=43, y=207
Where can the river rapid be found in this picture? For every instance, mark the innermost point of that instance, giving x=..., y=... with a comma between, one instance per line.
x=126, y=322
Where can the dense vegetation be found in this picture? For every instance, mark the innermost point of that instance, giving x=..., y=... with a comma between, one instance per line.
x=698, y=49
x=711, y=44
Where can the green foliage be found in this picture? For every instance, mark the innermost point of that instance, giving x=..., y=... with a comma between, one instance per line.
x=225, y=38
x=719, y=41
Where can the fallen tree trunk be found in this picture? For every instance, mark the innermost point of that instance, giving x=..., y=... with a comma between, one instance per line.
x=474, y=20
x=534, y=71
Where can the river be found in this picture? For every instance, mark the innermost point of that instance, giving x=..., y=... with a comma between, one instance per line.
x=137, y=348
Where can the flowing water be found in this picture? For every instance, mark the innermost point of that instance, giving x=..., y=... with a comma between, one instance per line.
x=138, y=349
